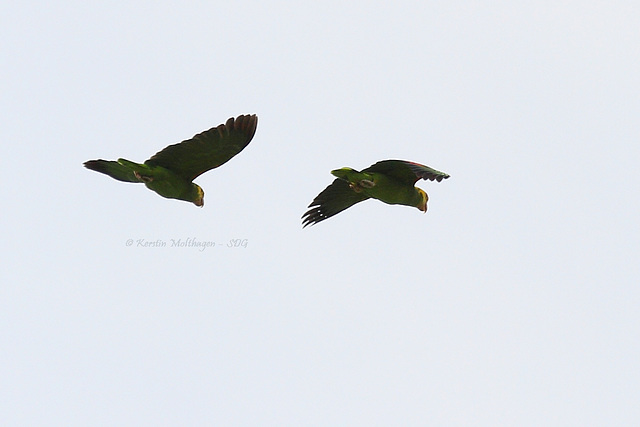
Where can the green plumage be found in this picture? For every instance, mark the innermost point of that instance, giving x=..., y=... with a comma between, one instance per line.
x=390, y=181
x=171, y=171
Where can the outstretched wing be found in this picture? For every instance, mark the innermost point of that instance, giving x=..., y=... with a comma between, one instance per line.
x=334, y=199
x=207, y=150
x=113, y=169
x=405, y=171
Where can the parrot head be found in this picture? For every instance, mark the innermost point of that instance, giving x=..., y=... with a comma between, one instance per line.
x=424, y=198
x=199, y=198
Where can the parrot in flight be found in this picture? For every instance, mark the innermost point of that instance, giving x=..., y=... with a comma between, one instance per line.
x=170, y=172
x=390, y=181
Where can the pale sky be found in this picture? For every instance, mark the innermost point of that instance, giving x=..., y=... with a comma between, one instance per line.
x=512, y=301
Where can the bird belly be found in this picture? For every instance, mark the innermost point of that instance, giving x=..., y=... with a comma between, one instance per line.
x=391, y=192
x=169, y=185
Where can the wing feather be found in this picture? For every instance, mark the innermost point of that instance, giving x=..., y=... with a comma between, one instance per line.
x=409, y=172
x=337, y=197
x=207, y=150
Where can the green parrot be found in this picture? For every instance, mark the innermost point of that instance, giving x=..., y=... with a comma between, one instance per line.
x=390, y=181
x=171, y=171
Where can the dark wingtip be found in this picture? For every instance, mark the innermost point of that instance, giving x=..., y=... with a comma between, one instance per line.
x=95, y=165
x=247, y=123
x=426, y=173
x=306, y=220
x=313, y=216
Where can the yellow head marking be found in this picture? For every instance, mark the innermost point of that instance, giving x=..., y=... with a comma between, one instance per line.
x=199, y=201
x=425, y=198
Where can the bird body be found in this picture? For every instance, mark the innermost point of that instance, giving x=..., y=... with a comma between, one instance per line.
x=171, y=171
x=382, y=187
x=166, y=183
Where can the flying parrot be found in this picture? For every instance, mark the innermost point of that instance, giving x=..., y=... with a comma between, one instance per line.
x=390, y=181
x=170, y=172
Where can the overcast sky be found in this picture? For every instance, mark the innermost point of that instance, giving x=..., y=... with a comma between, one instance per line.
x=512, y=301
